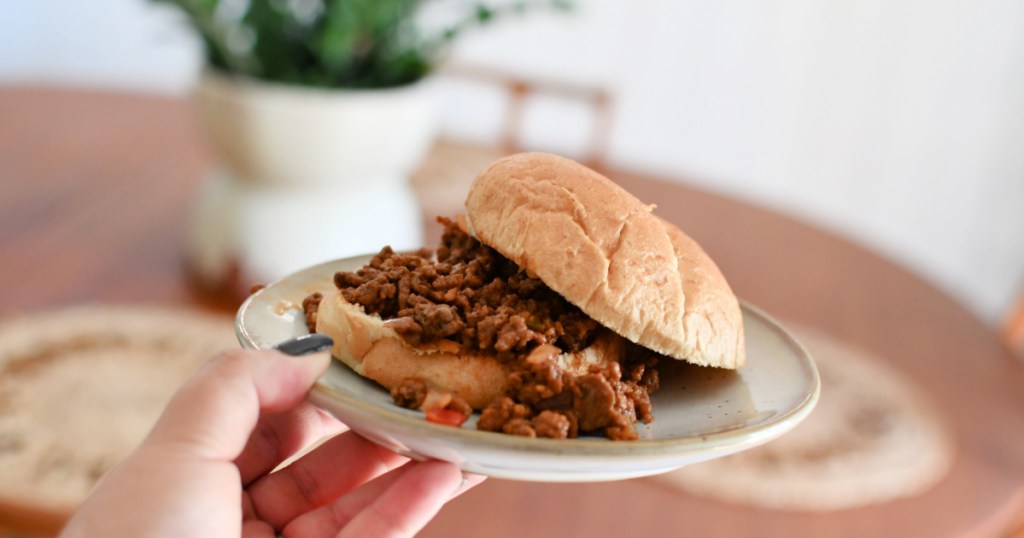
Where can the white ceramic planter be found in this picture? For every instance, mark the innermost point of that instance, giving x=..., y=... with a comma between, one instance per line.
x=308, y=175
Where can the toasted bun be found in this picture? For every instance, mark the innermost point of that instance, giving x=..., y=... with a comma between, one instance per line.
x=607, y=253
x=372, y=349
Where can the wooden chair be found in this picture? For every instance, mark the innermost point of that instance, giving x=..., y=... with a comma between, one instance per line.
x=443, y=178
x=522, y=88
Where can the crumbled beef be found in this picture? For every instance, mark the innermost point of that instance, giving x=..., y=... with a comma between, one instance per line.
x=470, y=294
x=436, y=320
x=598, y=401
x=410, y=393
x=497, y=413
x=309, y=306
x=594, y=401
x=641, y=382
x=605, y=399
x=474, y=296
x=519, y=426
x=407, y=327
x=551, y=424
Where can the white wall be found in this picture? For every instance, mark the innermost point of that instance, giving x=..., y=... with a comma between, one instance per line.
x=899, y=123
x=133, y=44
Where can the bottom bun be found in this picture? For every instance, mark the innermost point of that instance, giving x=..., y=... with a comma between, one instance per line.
x=366, y=344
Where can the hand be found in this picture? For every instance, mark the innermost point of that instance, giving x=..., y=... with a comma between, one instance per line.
x=207, y=468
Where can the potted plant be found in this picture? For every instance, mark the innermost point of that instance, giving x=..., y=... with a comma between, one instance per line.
x=319, y=110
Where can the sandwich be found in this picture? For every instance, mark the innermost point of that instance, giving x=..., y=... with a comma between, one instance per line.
x=546, y=307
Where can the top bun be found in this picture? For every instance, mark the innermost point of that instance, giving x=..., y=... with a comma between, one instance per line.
x=607, y=253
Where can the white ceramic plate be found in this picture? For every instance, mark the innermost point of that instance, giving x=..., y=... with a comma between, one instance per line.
x=700, y=413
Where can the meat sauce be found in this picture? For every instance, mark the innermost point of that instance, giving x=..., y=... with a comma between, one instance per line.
x=471, y=294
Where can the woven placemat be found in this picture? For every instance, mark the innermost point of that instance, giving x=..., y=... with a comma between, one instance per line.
x=872, y=438
x=80, y=387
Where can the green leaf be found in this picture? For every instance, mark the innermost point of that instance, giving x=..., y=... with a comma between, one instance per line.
x=340, y=43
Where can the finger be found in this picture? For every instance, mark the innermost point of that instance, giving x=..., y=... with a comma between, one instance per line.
x=409, y=503
x=212, y=415
x=280, y=436
x=257, y=529
x=327, y=520
x=333, y=469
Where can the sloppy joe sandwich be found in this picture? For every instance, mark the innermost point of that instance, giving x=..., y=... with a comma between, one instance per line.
x=546, y=307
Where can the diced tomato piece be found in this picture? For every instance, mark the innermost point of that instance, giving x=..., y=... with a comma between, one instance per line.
x=448, y=417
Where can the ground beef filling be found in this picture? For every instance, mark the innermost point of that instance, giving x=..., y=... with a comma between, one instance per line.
x=544, y=401
x=474, y=296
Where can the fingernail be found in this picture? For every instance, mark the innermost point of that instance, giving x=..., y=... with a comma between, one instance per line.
x=305, y=344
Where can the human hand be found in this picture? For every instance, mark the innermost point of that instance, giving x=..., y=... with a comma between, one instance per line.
x=207, y=467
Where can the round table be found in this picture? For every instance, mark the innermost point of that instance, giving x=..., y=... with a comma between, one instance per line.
x=95, y=188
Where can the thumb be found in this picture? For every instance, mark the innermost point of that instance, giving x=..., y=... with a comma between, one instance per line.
x=212, y=415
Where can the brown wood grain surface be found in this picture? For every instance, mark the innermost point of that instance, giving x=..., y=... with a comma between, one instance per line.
x=96, y=188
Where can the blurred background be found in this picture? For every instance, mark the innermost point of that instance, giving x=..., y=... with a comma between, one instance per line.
x=894, y=126
x=898, y=124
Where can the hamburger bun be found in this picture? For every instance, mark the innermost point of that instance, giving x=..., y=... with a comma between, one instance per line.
x=606, y=252
x=589, y=241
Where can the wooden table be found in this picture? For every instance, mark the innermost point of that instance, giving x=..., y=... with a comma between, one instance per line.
x=95, y=187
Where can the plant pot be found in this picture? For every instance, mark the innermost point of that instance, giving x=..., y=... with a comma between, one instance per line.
x=307, y=175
